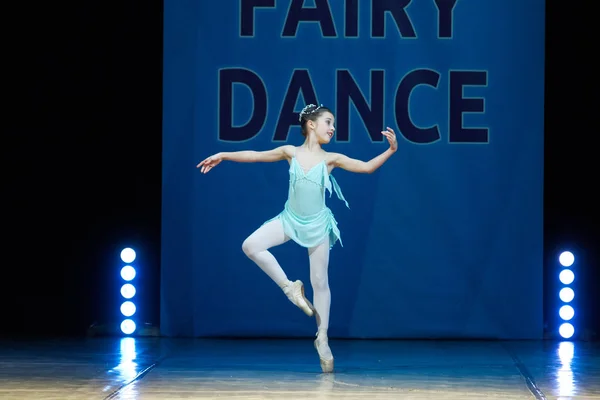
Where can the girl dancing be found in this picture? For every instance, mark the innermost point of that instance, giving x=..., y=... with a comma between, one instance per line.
x=305, y=218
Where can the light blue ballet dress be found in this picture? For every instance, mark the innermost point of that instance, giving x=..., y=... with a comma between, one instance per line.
x=305, y=217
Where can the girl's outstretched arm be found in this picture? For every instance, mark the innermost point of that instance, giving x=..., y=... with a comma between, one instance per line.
x=247, y=156
x=368, y=167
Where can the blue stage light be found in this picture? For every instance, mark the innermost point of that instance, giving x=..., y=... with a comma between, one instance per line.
x=128, y=326
x=128, y=273
x=566, y=294
x=128, y=291
x=128, y=255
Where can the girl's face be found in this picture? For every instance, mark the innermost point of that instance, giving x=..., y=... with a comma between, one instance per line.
x=324, y=128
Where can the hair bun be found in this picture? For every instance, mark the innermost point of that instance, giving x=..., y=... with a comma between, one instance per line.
x=309, y=109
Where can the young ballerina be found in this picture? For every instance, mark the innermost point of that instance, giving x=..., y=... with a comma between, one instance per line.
x=305, y=218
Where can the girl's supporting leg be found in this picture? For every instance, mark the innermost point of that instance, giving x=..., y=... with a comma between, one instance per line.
x=319, y=266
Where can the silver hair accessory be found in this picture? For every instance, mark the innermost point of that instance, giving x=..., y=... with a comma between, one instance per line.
x=305, y=111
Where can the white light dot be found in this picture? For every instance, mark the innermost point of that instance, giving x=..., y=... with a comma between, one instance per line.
x=127, y=272
x=127, y=255
x=128, y=308
x=566, y=276
x=566, y=294
x=128, y=327
x=566, y=312
x=566, y=258
x=128, y=290
x=566, y=330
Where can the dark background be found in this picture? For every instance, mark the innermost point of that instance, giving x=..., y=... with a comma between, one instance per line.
x=83, y=115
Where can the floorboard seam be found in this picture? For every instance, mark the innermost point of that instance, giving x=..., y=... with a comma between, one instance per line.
x=139, y=376
x=529, y=381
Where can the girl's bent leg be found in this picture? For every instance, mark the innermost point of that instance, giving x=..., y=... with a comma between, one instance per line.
x=256, y=248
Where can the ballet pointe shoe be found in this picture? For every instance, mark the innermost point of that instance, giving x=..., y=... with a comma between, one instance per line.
x=295, y=293
x=325, y=356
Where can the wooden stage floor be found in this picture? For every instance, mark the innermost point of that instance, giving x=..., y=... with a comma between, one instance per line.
x=163, y=368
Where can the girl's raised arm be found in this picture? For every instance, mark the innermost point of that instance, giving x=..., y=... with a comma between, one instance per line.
x=368, y=167
x=247, y=156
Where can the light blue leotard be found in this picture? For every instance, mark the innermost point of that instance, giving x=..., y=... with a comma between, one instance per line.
x=305, y=217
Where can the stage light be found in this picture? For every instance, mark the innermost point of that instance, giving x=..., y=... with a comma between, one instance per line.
x=566, y=295
x=128, y=326
x=128, y=290
x=566, y=276
x=566, y=330
x=128, y=273
x=566, y=258
x=566, y=313
x=128, y=255
x=128, y=308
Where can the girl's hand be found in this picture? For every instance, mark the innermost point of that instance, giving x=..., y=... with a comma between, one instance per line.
x=209, y=163
x=391, y=137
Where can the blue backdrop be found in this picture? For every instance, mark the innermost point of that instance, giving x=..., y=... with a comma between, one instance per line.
x=445, y=240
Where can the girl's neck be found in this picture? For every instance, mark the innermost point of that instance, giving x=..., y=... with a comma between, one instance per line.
x=311, y=144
